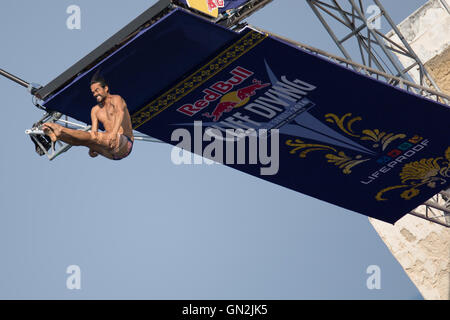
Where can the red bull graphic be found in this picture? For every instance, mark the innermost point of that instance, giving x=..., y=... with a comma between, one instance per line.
x=212, y=7
x=235, y=99
x=222, y=107
x=209, y=7
x=251, y=90
x=216, y=91
x=213, y=4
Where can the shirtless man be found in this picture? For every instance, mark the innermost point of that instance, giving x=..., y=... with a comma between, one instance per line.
x=116, y=142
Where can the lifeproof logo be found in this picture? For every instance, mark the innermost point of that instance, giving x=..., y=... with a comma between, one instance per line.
x=395, y=157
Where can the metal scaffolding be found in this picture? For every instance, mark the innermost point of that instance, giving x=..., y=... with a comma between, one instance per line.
x=357, y=22
x=351, y=23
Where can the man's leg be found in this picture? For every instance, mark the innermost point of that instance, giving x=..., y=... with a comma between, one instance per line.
x=70, y=136
x=102, y=150
x=78, y=138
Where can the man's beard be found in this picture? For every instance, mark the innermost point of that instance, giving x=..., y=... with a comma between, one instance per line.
x=102, y=100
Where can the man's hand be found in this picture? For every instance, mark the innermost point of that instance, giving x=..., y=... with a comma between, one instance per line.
x=113, y=141
x=92, y=153
x=94, y=136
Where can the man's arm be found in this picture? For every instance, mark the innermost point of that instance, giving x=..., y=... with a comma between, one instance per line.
x=119, y=111
x=119, y=108
x=94, y=121
x=94, y=129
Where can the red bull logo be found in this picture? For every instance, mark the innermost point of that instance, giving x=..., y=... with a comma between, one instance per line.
x=217, y=90
x=251, y=90
x=213, y=4
x=235, y=99
x=223, y=106
x=209, y=7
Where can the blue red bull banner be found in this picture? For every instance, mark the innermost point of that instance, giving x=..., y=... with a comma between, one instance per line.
x=344, y=138
x=276, y=112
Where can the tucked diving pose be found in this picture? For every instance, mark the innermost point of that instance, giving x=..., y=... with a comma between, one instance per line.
x=116, y=142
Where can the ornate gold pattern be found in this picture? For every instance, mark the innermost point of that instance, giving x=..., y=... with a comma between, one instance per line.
x=345, y=162
x=339, y=159
x=381, y=138
x=299, y=144
x=340, y=122
x=427, y=172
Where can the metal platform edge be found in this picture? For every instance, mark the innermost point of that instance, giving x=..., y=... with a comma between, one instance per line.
x=115, y=40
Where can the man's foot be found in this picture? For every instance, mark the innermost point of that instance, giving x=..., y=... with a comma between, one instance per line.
x=51, y=130
x=93, y=153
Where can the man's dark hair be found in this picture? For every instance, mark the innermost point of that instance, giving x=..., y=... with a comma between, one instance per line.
x=97, y=78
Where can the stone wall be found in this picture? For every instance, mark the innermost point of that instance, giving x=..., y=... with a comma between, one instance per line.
x=423, y=250
x=420, y=246
x=439, y=68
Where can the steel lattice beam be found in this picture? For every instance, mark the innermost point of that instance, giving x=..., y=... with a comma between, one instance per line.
x=377, y=56
x=351, y=22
